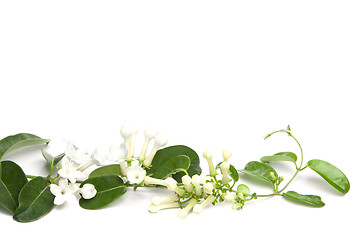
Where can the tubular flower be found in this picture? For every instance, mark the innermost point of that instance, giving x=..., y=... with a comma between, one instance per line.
x=208, y=156
x=198, y=208
x=224, y=167
x=154, y=181
x=229, y=198
x=208, y=187
x=159, y=141
x=87, y=191
x=226, y=155
x=149, y=134
x=186, y=180
x=184, y=212
x=156, y=208
x=172, y=186
x=196, y=180
x=159, y=200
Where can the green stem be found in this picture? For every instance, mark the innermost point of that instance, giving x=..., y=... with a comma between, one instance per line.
x=298, y=169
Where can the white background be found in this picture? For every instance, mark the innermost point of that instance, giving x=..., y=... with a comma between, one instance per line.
x=208, y=74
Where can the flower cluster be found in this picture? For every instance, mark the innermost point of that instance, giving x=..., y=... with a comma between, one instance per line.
x=195, y=194
x=65, y=186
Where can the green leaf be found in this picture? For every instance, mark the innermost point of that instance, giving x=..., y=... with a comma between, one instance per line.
x=281, y=156
x=12, y=181
x=331, y=174
x=172, y=165
x=112, y=169
x=259, y=170
x=20, y=140
x=108, y=187
x=167, y=153
x=35, y=201
x=312, y=200
x=233, y=173
x=51, y=160
x=243, y=189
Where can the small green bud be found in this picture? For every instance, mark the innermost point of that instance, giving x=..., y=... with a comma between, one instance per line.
x=272, y=175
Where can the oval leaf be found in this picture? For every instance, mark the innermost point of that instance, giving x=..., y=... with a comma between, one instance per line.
x=259, y=170
x=312, y=200
x=35, y=201
x=12, y=181
x=242, y=188
x=171, y=166
x=112, y=169
x=20, y=140
x=233, y=173
x=108, y=187
x=281, y=156
x=167, y=153
x=331, y=174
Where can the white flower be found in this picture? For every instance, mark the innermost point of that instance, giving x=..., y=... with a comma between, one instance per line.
x=224, y=167
x=196, y=180
x=184, y=212
x=159, y=141
x=208, y=187
x=198, y=208
x=226, y=155
x=63, y=191
x=208, y=156
x=87, y=191
x=70, y=170
x=159, y=200
x=155, y=208
x=149, y=134
x=117, y=154
x=95, y=160
x=186, y=180
x=129, y=133
x=76, y=154
x=135, y=174
x=228, y=197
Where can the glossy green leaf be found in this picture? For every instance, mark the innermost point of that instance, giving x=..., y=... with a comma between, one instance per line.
x=112, y=169
x=165, y=154
x=12, y=181
x=233, y=173
x=259, y=170
x=35, y=201
x=17, y=141
x=108, y=187
x=180, y=163
x=331, y=174
x=312, y=200
x=242, y=188
x=51, y=160
x=281, y=156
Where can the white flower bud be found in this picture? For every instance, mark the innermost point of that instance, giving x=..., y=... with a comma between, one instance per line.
x=208, y=187
x=226, y=155
x=224, y=167
x=126, y=132
x=196, y=180
x=229, y=198
x=159, y=200
x=156, y=208
x=208, y=156
x=149, y=134
x=87, y=191
x=186, y=180
x=184, y=212
x=159, y=141
x=198, y=208
x=154, y=181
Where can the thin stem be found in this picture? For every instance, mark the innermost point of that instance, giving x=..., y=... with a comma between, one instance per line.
x=297, y=168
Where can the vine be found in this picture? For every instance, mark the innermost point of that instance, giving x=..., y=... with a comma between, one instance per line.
x=176, y=168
